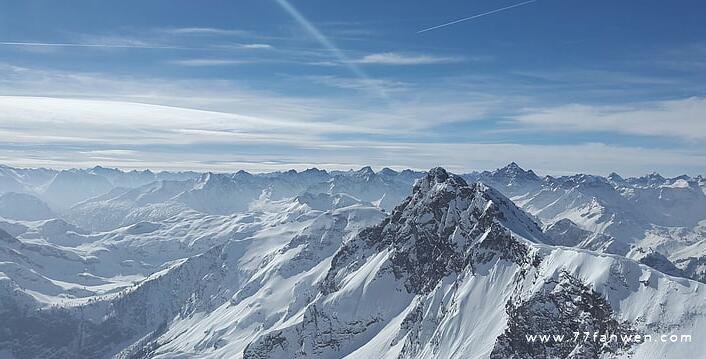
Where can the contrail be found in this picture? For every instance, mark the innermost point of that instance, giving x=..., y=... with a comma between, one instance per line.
x=330, y=46
x=475, y=16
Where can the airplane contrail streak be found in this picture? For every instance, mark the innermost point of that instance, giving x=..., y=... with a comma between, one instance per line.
x=329, y=45
x=476, y=16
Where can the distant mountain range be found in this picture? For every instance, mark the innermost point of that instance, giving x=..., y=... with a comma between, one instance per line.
x=98, y=263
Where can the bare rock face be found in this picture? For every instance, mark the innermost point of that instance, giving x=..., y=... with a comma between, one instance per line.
x=439, y=230
x=445, y=228
x=565, y=307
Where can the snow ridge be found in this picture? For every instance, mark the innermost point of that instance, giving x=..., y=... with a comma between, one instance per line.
x=346, y=264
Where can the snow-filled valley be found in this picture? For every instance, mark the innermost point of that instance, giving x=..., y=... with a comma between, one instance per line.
x=101, y=263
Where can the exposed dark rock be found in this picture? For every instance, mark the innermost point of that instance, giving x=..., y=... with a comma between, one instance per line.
x=440, y=229
x=565, y=307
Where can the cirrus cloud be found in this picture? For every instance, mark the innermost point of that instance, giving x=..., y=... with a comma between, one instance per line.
x=394, y=58
x=208, y=62
x=683, y=118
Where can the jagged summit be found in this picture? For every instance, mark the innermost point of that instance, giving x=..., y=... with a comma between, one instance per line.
x=653, y=179
x=438, y=176
x=209, y=179
x=656, y=176
x=314, y=170
x=366, y=171
x=614, y=177
x=431, y=232
x=513, y=166
x=512, y=178
x=100, y=168
x=586, y=180
x=514, y=172
x=387, y=171
x=242, y=173
x=441, y=188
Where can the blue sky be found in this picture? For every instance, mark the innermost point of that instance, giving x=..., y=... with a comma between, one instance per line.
x=558, y=86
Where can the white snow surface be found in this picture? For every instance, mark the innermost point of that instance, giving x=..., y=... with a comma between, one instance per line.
x=103, y=263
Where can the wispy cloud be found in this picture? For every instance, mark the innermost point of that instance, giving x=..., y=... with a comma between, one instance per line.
x=459, y=157
x=360, y=84
x=394, y=58
x=52, y=120
x=224, y=96
x=148, y=39
x=257, y=46
x=689, y=58
x=208, y=62
x=206, y=31
x=682, y=118
x=90, y=45
x=221, y=125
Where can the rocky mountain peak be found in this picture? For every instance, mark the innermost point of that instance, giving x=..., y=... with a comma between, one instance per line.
x=243, y=177
x=216, y=183
x=653, y=179
x=513, y=166
x=433, y=232
x=513, y=174
x=656, y=176
x=438, y=173
x=209, y=179
x=388, y=172
x=366, y=171
x=242, y=174
x=615, y=178
x=453, y=201
x=439, y=178
x=315, y=170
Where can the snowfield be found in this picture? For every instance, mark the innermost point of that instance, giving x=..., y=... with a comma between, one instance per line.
x=102, y=263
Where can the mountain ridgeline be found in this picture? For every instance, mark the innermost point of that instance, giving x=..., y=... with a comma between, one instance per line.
x=103, y=263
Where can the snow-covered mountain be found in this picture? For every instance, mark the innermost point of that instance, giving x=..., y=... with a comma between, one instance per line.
x=71, y=186
x=630, y=217
x=10, y=181
x=385, y=189
x=348, y=264
x=128, y=282
x=454, y=258
x=24, y=206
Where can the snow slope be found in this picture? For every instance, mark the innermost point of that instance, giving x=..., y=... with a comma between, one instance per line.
x=307, y=264
x=446, y=275
x=631, y=217
x=24, y=206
